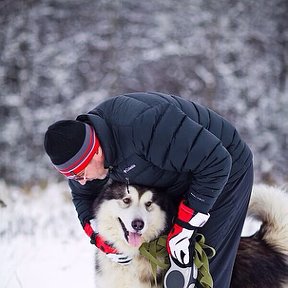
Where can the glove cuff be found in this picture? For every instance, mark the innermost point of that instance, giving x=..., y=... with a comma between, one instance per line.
x=199, y=219
x=98, y=241
x=190, y=219
x=185, y=213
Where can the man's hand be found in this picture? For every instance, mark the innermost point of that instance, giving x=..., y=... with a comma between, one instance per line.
x=106, y=247
x=181, y=236
x=179, y=245
x=119, y=258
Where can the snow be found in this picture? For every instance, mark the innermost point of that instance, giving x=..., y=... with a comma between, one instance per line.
x=41, y=242
x=28, y=262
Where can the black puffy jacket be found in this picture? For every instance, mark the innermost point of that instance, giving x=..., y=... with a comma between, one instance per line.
x=160, y=140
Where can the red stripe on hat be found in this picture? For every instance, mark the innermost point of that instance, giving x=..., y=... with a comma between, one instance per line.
x=85, y=158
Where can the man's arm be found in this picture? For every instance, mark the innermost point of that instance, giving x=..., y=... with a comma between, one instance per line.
x=169, y=139
x=83, y=197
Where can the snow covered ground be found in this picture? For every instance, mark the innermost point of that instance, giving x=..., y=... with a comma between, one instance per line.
x=41, y=241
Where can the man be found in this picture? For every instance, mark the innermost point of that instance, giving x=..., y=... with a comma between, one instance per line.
x=165, y=141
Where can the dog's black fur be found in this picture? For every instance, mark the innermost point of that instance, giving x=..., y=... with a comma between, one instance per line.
x=259, y=264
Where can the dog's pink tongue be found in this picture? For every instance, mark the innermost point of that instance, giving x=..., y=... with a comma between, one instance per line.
x=134, y=239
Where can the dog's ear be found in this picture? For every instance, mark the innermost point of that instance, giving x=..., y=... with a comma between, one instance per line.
x=101, y=193
x=114, y=190
x=166, y=203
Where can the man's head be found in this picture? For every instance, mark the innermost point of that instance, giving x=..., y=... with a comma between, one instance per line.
x=73, y=147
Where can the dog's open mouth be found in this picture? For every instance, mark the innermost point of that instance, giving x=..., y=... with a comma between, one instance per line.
x=133, y=238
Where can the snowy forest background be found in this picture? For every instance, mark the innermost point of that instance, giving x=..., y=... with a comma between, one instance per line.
x=61, y=58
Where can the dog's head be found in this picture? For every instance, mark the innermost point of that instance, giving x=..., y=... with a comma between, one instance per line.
x=129, y=217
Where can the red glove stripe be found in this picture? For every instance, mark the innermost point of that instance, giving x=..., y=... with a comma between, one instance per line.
x=99, y=241
x=104, y=246
x=88, y=229
x=185, y=213
x=176, y=229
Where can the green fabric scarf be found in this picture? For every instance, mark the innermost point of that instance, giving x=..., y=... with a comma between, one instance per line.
x=155, y=251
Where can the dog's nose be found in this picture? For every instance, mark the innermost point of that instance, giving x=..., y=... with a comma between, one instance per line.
x=137, y=224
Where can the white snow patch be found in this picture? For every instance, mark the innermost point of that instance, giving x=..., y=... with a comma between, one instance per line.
x=41, y=241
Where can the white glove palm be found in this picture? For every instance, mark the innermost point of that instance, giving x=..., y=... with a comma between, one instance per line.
x=180, y=237
x=179, y=246
x=119, y=258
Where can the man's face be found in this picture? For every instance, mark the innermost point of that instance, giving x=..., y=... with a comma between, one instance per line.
x=95, y=169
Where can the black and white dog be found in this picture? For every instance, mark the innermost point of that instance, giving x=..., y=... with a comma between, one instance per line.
x=130, y=216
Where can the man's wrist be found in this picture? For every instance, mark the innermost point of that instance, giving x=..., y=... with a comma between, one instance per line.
x=189, y=218
x=199, y=219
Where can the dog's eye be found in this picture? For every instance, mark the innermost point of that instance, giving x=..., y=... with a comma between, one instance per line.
x=148, y=204
x=127, y=200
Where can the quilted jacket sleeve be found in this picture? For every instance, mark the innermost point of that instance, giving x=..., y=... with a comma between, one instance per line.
x=170, y=140
x=83, y=197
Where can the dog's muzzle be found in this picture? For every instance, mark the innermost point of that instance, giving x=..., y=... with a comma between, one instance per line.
x=133, y=238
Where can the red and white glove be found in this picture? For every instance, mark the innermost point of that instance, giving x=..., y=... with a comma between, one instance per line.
x=183, y=231
x=105, y=246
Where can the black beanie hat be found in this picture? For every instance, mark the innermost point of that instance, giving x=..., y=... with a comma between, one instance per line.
x=70, y=145
x=63, y=140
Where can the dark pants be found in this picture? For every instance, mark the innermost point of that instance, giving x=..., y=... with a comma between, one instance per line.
x=223, y=230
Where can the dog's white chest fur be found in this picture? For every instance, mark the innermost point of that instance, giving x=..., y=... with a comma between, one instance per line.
x=137, y=274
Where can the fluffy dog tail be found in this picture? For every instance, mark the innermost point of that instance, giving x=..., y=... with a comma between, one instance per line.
x=270, y=206
x=262, y=258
